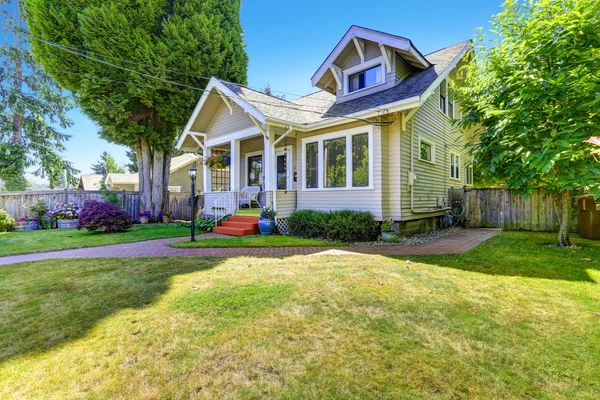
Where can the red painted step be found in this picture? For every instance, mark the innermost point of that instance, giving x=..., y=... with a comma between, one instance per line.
x=238, y=226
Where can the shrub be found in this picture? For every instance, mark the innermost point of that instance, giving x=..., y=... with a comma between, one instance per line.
x=65, y=211
x=7, y=223
x=109, y=195
x=103, y=216
x=343, y=226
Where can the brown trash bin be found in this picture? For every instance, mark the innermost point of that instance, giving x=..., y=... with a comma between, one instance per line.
x=589, y=218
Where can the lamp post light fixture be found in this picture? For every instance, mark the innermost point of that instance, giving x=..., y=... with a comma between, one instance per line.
x=193, y=173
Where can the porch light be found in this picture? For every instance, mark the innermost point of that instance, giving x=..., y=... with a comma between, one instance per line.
x=193, y=173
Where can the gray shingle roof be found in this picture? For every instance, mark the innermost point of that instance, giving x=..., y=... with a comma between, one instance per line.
x=321, y=105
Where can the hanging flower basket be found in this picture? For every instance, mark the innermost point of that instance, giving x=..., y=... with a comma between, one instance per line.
x=218, y=161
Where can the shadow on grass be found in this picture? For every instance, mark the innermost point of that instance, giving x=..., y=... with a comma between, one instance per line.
x=528, y=254
x=48, y=303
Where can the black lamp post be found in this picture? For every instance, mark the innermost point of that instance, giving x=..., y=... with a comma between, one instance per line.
x=193, y=172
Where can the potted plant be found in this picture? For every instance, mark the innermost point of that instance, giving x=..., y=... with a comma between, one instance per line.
x=65, y=215
x=40, y=210
x=166, y=216
x=30, y=223
x=218, y=161
x=266, y=223
x=145, y=216
x=387, y=231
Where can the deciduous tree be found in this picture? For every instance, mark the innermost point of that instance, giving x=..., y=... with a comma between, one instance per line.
x=103, y=49
x=533, y=91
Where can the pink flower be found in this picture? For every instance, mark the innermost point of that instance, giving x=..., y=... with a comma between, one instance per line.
x=594, y=140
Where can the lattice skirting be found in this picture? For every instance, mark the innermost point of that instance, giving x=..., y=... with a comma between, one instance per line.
x=282, y=226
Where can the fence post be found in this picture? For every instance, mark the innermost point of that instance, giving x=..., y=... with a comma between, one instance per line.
x=66, y=195
x=123, y=200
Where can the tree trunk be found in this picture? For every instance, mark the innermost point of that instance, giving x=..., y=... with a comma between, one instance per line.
x=145, y=174
x=158, y=179
x=565, y=220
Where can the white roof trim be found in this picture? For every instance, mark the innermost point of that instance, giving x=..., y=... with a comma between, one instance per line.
x=366, y=34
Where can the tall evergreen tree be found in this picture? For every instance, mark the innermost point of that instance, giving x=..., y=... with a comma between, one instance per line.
x=31, y=106
x=106, y=165
x=132, y=165
x=197, y=38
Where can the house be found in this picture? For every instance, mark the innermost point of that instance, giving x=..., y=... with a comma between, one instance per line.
x=90, y=182
x=179, y=180
x=378, y=136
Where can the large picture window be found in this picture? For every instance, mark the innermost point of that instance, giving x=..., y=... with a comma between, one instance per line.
x=340, y=160
x=335, y=162
x=312, y=165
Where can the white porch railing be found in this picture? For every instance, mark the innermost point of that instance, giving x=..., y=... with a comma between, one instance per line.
x=223, y=206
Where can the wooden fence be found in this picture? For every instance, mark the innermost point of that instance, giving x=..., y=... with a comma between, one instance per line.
x=501, y=208
x=15, y=203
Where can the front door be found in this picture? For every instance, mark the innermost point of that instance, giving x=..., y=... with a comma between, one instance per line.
x=255, y=171
x=283, y=171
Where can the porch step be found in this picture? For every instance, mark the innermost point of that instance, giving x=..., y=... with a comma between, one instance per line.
x=238, y=226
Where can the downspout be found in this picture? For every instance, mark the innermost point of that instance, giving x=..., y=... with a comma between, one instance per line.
x=290, y=129
x=411, y=175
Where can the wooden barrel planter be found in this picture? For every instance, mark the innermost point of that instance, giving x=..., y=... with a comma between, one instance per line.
x=66, y=223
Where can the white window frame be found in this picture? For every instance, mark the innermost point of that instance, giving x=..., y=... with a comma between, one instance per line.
x=455, y=154
x=253, y=154
x=319, y=139
x=363, y=67
x=280, y=152
x=432, y=144
x=447, y=102
x=469, y=175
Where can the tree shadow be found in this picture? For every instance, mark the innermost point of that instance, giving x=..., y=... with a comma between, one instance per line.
x=527, y=254
x=47, y=303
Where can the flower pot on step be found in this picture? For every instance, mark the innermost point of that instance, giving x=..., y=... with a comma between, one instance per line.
x=266, y=226
x=66, y=223
x=389, y=237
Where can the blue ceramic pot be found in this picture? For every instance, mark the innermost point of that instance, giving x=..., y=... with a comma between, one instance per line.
x=266, y=226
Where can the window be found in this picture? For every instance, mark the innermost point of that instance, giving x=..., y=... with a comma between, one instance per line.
x=220, y=179
x=454, y=166
x=426, y=151
x=312, y=165
x=364, y=79
x=447, y=99
x=340, y=160
x=335, y=162
x=469, y=173
x=255, y=171
x=360, y=160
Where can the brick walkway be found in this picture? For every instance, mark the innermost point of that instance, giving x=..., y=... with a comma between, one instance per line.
x=460, y=242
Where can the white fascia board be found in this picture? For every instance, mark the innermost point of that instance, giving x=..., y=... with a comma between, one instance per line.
x=444, y=73
x=240, y=102
x=246, y=133
x=415, y=53
x=360, y=33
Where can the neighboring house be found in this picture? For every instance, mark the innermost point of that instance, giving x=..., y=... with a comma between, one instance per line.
x=179, y=180
x=90, y=182
x=378, y=137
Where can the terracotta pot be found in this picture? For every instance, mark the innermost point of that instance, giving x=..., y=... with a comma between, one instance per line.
x=144, y=220
x=166, y=219
x=66, y=223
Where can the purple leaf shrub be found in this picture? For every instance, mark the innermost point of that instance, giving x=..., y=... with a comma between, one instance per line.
x=103, y=216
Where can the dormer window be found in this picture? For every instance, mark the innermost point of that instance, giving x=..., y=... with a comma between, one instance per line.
x=364, y=79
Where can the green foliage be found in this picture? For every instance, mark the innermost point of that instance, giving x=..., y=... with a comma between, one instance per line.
x=132, y=165
x=343, y=226
x=32, y=110
x=202, y=224
x=109, y=195
x=106, y=165
x=197, y=37
x=7, y=223
x=533, y=92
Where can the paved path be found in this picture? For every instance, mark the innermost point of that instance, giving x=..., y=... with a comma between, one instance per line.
x=459, y=242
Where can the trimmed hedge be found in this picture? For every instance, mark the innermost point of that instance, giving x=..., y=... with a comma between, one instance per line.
x=103, y=216
x=340, y=226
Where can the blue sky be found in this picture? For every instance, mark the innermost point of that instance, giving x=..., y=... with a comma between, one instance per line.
x=288, y=40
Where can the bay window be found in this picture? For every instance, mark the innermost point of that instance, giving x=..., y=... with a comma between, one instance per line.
x=340, y=160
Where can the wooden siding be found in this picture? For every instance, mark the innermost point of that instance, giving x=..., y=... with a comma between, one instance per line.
x=433, y=180
x=390, y=154
x=501, y=208
x=286, y=203
x=223, y=124
x=401, y=68
x=332, y=199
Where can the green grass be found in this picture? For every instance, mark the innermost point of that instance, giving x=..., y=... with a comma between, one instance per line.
x=255, y=241
x=59, y=239
x=512, y=319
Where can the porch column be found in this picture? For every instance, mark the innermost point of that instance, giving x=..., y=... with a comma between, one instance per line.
x=206, y=174
x=234, y=167
x=269, y=160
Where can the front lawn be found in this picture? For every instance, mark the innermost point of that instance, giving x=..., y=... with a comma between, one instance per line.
x=514, y=318
x=59, y=239
x=255, y=241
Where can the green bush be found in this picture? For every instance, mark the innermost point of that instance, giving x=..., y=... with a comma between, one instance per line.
x=7, y=223
x=341, y=226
